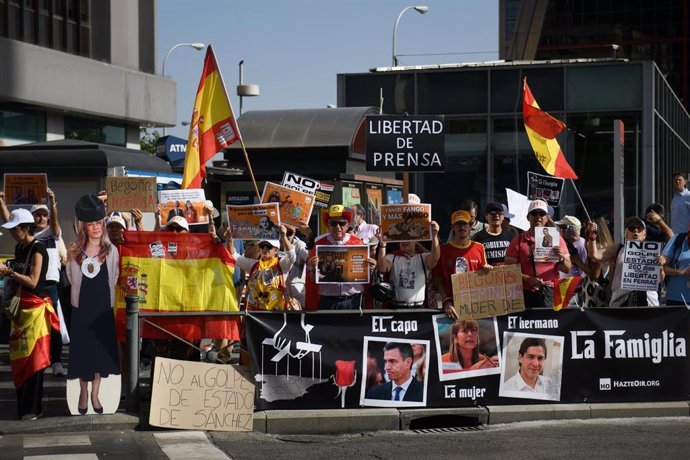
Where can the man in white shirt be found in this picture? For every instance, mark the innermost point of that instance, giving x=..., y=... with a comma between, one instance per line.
x=363, y=230
x=531, y=358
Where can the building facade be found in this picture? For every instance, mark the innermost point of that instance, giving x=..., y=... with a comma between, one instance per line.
x=80, y=69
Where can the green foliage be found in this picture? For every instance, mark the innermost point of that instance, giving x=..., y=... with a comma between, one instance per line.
x=148, y=138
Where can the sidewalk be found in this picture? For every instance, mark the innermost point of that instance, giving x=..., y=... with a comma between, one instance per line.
x=58, y=419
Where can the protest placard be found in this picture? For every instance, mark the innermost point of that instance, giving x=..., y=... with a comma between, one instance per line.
x=201, y=396
x=494, y=293
x=254, y=221
x=23, y=189
x=127, y=193
x=546, y=239
x=295, y=206
x=188, y=203
x=547, y=188
x=323, y=195
x=342, y=264
x=406, y=222
x=301, y=183
x=641, y=271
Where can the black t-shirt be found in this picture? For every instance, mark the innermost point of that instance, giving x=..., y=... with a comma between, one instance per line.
x=495, y=246
x=20, y=256
x=654, y=233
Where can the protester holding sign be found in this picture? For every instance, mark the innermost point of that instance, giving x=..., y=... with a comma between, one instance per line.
x=494, y=237
x=409, y=270
x=458, y=256
x=537, y=277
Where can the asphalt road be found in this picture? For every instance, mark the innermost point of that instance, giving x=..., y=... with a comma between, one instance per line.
x=642, y=438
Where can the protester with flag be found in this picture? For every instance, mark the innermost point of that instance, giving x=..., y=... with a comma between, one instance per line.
x=29, y=340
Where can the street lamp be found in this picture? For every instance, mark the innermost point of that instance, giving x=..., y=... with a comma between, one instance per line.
x=196, y=46
x=421, y=9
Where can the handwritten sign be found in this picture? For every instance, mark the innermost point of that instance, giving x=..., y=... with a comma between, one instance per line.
x=127, y=193
x=254, y=221
x=342, y=264
x=406, y=222
x=201, y=396
x=640, y=267
x=481, y=295
x=25, y=189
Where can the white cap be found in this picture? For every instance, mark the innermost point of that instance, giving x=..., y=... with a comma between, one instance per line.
x=274, y=243
x=209, y=204
x=115, y=218
x=19, y=216
x=538, y=204
x=36, y=207
x=413, y=199
x=179, y=220
x=506, y=213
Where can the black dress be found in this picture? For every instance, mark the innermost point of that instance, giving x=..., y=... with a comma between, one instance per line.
x=93, y=346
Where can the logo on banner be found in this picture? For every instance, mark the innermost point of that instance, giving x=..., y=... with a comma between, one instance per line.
x=604, y=384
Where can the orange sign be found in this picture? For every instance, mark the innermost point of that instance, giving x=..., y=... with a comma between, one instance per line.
x=254, y=221
x=188, y=203
x=295, y=206
x=26, y=189
x=406, y=222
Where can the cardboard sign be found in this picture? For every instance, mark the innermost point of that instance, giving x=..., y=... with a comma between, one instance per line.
x=295, y=206
x=127, y=193
x=254, y=221
x=300, y=183
x=188, y=203
x=481, y=295
x=23, y=189
x=323, y=195
x=201, y=396
x=405, y=143
x=406, y=222
x=547, y=188
x=641, y=271
x=546, y=239
x=342, y=264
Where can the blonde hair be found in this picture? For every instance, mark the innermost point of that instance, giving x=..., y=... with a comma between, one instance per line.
x=76, y=248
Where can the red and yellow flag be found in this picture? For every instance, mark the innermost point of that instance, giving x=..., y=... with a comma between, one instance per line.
x=30, y=337
x=542, y=130
x=563, y=290
x=178, y=273
x=213, y=125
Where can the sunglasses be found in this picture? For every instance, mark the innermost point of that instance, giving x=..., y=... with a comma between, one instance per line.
x=266, y=246
x=176, y=229
x=338, y=223
x=636, y=229
x=496, y=213
x=537, y=213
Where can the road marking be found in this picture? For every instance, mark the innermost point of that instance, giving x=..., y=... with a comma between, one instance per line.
x=184, y=445
x=63, y=457
x=31, y=442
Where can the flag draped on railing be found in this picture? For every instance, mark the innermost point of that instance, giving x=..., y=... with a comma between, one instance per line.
x=542, y=130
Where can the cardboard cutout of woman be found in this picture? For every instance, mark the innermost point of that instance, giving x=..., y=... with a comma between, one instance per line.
x=92, y=269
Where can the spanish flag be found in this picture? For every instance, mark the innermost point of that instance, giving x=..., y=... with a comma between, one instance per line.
x=178, y=273
x=563, y=290
x=213, y=125
x=542, y=130
x=30, y=337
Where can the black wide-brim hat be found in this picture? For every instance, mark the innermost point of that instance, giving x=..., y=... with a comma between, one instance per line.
x=89, y=208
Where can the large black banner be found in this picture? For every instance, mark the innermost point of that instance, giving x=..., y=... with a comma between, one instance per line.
x=328, y=360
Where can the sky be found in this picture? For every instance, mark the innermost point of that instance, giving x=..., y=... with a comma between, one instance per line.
x=294, y=49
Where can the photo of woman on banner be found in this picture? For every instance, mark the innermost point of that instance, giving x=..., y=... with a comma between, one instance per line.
x=92, y=270
x=466, y=348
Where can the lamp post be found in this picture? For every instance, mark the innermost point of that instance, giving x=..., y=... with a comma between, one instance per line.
x=421, y=9
x=196, y=46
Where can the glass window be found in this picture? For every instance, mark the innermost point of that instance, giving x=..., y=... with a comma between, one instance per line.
x=365, y=91
x=95, y=131
x=455, y=92
x=512, y=157
x=546, y=86
x=20, y=126
x=604, y=88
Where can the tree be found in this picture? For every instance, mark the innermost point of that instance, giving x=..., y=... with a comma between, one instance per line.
x=148, y=137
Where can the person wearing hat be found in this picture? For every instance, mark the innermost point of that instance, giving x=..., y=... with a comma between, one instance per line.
x=92, y=269
x=115, y=225
x=336, y=296
x=569, y=227
x=266, y=288
x=507, y=217
x=635, y=230
x=29, y=336
x=494, y=238
x=537, y=277
x=458, y=256
x=296, y=277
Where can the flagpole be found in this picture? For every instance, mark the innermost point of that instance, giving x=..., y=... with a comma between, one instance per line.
x=239, y=134
x=580, y=198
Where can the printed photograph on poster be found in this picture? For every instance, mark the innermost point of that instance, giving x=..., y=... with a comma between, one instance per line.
x=254, y=221
x=322, y=198
x=390, y=363
x=406, y=222
x=532, y=366
x=543, y=187
x=641, y=271
x=466, y=348
x=187, y=203
x=394, y=195
x=295, y=206
x=352, y=194
x=342, y=264
x=545, y=240
x=23, y=189
x=375, y=199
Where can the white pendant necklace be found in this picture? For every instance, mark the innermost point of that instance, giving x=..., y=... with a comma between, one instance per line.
x=90, y=266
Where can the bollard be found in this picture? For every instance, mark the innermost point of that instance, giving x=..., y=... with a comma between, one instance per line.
x=132, y=351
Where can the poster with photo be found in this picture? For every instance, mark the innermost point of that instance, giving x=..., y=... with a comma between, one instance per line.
x=545, y=187
x=546, y=239
x=254, y=221
x=295, y=206
x=352, y=194
x=342, y=264
x=375, y=200
x=187, y=203
x=25, y=189
x=406, y=222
